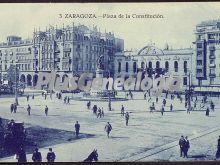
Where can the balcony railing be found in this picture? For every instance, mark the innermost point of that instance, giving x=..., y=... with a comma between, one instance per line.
x=212, y=65
x=212, y=75
x=199, y=57
x=212, y=56
x=211, y=47
x=199, y=66
x=199, y=75
x=67, y=49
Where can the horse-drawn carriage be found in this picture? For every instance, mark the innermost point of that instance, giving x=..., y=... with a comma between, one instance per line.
x=14, y=136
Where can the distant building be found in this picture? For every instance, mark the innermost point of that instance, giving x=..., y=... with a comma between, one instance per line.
x=68, y=50
x=174, y=62
x=207, y=46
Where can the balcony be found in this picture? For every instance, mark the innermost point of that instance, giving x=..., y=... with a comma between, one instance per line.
x=199, y=66
x=57, y=51
x=199, y=57
x=212, y=48
x=212, y=56
x=199, y=75
x=212, y=65
x=212, y=75
x=67, y=49
x=57, y=59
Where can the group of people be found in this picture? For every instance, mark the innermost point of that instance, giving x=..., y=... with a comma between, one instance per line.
x=125, y=114
x=13, y=108
x=98, y=111
x=66, y=100
x=36, y=156
x=184, y=146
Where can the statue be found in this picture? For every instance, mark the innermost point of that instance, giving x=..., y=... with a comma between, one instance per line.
x=100, y=62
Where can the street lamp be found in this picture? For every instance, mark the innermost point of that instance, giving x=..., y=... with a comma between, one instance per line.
x=16, y=85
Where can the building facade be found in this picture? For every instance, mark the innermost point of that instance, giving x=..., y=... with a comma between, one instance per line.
x=69, y=50
x=174, y=62
x=207, y=53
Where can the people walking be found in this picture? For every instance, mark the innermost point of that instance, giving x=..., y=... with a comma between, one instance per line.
x=162, y=110
x=126, y=118
x=12, y=108
x=164, y=102
x=29, y=110
x=207, y=111
x=46, y=110
x=21, y=155
x=15, y=107
x=95, y=109
x=171, y=107
x=27, y=97
x=51, y=156
x=186, y=147
x=122, y=110
x=88, y=104
x=157, y=99
x=99, y=115
x=108, y=128
x=181, y=144
x=33, y=97
x=102, y=114
x=36, y=157
x=77, y=128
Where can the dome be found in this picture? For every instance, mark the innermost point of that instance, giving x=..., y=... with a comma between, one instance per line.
x=150, y=50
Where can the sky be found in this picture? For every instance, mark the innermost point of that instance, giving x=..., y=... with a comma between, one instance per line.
x=176, y=28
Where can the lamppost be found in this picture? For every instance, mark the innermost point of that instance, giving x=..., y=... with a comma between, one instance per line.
x=189, y=92
x=16, y=85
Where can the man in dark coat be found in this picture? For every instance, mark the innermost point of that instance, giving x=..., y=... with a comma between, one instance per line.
x=207, y=111
x=186, y=147
x=108, y=128
x=181, y=144
x=126, y=118
x=21, y=155
x=51, y=156
x=29, y=110
x=122, y=110
x=12, y=107
x=15, y=107
x=46, y=110
x=36, y=157
x=77, y=128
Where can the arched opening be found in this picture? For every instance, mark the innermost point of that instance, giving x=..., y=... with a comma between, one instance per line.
x=35, y=78
x=29, y=78
x=176, y=66
x=127, y=66
x=167, y=66
x=22, y=78
x=134, y=67
x=119, y=67
x=185, y=66
x=157, y=64
x=150, y=64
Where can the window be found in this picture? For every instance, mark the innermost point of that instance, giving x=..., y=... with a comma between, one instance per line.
x=119, y=67
x=185, y=66
x=157, y=64
x=127, y=66
x=176, y=66
x=134, y=67
x=212, y=81
x=167, y=65
x=150, y=64
x=184, y=80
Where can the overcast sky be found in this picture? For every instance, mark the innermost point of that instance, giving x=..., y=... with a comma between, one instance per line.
x=176, y=28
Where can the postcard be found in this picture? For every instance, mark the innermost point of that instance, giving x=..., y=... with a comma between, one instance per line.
x=110, y=82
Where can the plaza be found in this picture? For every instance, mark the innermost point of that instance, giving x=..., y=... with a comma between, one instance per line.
x=148, y=136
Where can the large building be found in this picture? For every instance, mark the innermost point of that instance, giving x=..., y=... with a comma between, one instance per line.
x=174, y=62
x=69, y=50
x=208, y=53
